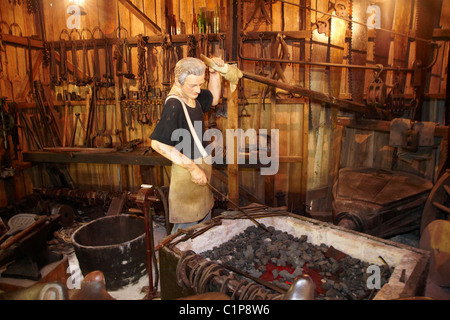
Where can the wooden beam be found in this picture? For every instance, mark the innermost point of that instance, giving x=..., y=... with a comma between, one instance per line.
x=381, y=125
x=21, y=41
x=101, y=157
x=140, y=15
x=37, y=62
x=233, y=167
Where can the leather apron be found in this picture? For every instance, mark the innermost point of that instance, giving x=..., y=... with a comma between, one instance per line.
x=189, y=201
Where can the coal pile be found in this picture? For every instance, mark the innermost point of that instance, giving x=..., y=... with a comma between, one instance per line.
x=280, y=257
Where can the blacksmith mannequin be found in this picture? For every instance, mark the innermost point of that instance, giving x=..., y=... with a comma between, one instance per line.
x=190, y=199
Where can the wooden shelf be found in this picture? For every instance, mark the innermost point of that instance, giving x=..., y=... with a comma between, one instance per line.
x=138, y=157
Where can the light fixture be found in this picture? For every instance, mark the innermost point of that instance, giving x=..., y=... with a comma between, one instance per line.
x=77, y=7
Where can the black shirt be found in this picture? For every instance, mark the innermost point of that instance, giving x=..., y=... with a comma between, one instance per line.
x=173, y=117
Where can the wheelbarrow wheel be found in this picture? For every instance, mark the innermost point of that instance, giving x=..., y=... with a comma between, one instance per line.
x=437, y=205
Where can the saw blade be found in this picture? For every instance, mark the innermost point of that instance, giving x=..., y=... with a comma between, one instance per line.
x=338, y=28
x=401, y=24
x=358, y=49
x=318, y=53
x=426, y=13
x=381, y=43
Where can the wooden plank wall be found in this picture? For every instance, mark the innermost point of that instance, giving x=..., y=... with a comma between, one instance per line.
x=290, y=118
x=115, y=19
x=14, y=86
x=277, y=110
x=372, y=146
x=308, y=131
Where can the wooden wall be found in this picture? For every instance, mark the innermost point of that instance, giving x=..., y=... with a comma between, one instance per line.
x=313, y=145
x=17, y=22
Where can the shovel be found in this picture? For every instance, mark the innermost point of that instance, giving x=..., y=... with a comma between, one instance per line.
x=20, y=222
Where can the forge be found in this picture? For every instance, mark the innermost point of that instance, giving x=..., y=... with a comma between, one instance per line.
x=191, y=263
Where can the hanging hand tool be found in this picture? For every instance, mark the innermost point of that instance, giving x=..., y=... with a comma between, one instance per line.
x=91, y=114
x=86, y=69
x=75, y=58
x=17, y=77
x=129, y=74
x=29, y=132
x=167, y=60
x=96, y=62
x=36, y=131
x=358, y=50
x=149, y=69
x=101, y=132
x=143, y=116
x=30, y=66
x=6, y=122
x=77, y=120
x=265, y=16
x=119, y=56
x=45, y=111
x=53, y=70
x=143, y=113
x=109, y=66
x=239, y=208
x=63, y=71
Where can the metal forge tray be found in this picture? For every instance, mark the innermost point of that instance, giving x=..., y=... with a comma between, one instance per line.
x=410, y=264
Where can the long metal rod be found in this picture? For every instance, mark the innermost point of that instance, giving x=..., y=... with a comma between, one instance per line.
x=376, y=68
x=326, y=64
x=239, y=208
x=149, y=248
x=314, y=95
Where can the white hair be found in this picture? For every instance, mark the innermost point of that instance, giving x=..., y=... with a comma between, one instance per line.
x=188, y=66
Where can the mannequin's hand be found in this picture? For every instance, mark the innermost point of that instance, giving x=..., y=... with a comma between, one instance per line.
x=198, y=176
x=218, y=61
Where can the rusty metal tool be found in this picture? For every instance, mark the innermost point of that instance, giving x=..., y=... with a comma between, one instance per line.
x=75, y=57
x=63, y=70
x=96, y=57
x=16, y=238
x=144, y=199
x=239, y=208
x=101, y=131
x=53, y=69
x=77, y=120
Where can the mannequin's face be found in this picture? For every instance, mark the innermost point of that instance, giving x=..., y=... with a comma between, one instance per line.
x=192, y=85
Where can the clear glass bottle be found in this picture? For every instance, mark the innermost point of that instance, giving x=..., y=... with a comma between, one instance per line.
x=216, y=20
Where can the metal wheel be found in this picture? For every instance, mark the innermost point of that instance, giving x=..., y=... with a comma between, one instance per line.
x=438, y=202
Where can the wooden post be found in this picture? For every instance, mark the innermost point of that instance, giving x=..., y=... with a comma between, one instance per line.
x=269, y=190
x=232, y=124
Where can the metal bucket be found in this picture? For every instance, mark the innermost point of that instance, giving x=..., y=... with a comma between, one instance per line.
x=114, y=245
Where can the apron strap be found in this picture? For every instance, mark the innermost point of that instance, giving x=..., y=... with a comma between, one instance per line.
x=191, y=127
